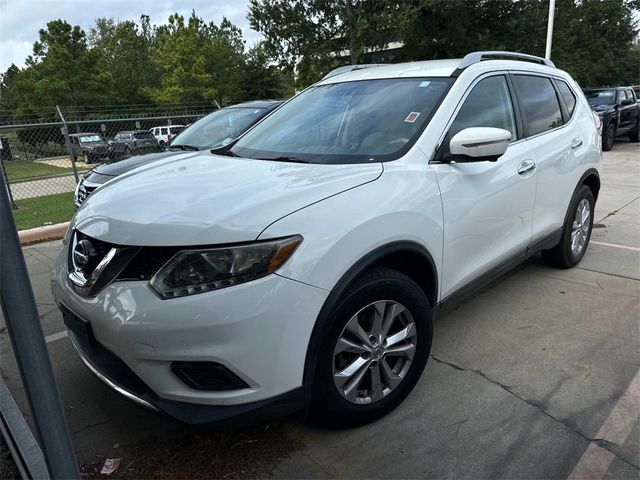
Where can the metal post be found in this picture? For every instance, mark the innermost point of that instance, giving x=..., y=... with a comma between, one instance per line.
x=11, y=201
x=21, y=318
x=72, y=154
x=552, y=12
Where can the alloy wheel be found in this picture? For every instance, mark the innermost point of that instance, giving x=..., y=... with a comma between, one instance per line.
x=374, y=352
x=580, y=227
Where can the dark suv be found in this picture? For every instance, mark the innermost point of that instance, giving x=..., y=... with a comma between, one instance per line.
x=90, y=147
x=619, y=111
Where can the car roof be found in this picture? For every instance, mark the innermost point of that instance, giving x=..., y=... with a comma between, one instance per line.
x=267, y=103
x=82, y=134
x=481, y=61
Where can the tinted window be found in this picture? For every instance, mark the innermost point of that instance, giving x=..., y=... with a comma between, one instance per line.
x=540, y=103
x=143, y=135
x=488, y=105
x=163, y=131
x=567, y=95
x=347, y=122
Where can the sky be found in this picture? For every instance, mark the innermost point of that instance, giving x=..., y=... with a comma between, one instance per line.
x=20, y=20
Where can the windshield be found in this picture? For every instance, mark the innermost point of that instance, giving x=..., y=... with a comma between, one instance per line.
x=349, y=122
x=90, y=138
x=601, y=97
x=218, y=128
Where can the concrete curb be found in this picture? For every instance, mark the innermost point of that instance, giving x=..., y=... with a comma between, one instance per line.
x=42, y=234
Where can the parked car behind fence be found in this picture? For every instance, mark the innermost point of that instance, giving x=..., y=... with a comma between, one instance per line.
x=127, y=142
x=166, y=134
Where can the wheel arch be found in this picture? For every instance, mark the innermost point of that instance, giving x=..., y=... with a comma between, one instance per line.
x=591, y=178
x=407, y=257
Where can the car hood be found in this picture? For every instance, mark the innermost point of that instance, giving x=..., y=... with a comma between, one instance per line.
x=118, y=167
x=208, y=199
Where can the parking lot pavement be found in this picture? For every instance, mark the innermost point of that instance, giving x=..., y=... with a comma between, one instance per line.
x=536, y=377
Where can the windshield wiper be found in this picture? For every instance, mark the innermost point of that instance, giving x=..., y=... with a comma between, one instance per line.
x=225, y=151
x=190, y=148
x=285, y=159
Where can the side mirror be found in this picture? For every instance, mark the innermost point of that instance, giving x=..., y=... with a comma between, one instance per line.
x=479, y=144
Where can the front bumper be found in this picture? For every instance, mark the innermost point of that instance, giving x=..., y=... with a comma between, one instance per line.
x=258, y=330
x=114, y=373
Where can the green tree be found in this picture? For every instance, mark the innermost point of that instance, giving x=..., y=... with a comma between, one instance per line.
x=179, y=55
x=261, y=79
x=125, y=53
x=313, y=36
x=61, y=71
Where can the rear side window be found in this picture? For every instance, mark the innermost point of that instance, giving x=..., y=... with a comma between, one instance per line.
x=488, y=105
x=567, y=95
x=540, y=103
x=143, y=135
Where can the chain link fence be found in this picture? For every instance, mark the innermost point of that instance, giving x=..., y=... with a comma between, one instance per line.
x=43, y=162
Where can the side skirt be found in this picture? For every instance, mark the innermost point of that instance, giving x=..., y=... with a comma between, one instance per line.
x=473, y=288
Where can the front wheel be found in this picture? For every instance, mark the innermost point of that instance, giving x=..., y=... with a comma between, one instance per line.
x=634, y=134
x=373, y=351
x=608, y=137
x=86, y=158
x=576, y=232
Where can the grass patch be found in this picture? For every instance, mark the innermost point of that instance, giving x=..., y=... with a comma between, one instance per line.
x=47, y=210
x=21, y=169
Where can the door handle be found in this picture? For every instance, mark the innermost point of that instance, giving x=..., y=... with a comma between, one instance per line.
x=576, y=142
x=526, y=166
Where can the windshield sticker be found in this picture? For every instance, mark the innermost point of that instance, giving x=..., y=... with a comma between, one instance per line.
x=412, y=117
x=424, y=84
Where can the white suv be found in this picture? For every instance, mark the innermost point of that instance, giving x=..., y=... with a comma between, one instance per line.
x=164, y=135
x=301, y=266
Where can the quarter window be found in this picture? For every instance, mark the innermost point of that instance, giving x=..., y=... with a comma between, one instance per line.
x=540, y=103
x=567, y=95
x=488, y=105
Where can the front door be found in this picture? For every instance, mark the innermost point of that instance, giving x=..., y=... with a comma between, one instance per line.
x=487, y=206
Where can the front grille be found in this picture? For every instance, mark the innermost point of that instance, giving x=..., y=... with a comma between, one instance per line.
x=146, y=263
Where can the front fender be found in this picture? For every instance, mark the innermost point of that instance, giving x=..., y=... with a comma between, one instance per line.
x=403, y=205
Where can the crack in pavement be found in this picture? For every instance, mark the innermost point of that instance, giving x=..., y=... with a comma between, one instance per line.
x=615, y=212
x=602, y=443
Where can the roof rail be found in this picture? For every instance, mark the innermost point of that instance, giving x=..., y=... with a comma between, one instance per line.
x=351, y=68
x=476, y=57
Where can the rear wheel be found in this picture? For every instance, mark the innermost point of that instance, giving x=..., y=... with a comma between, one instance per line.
x=608, y=137
x=576, y=232
x=373, y=351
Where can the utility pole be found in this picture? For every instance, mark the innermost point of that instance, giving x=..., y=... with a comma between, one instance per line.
x=552, y=10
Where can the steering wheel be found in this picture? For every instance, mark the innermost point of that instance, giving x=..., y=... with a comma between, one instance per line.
x=399, y=140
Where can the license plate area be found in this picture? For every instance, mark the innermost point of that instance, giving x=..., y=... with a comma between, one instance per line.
x=79, y=326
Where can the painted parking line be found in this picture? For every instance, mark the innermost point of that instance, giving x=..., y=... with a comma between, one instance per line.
x=615, y=245
x=595, y=461
x=55, y=336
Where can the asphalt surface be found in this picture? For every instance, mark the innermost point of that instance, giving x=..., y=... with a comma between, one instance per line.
x=536, y=377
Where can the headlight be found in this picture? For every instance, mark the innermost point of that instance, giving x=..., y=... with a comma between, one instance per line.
x=196, y=271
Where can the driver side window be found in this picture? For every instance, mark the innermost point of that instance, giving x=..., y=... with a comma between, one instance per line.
x=488, y=105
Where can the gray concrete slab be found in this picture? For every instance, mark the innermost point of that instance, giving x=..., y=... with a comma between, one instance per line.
x=521, y=380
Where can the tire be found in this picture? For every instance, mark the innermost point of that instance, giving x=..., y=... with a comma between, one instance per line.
x=634, y=134
x=87, y=158
x=377, y=290
x=564, y=255
x=608, y=137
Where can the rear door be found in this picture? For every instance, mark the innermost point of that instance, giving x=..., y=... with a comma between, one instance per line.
x=557, y=144
x=487, y=205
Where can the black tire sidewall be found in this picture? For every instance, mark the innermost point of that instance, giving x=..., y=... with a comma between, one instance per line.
x=607, y=139
x=327, y=405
